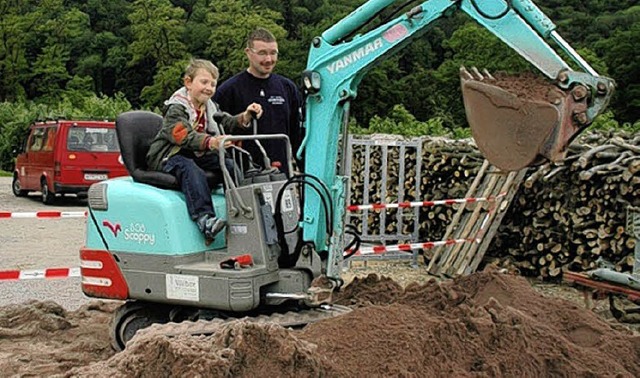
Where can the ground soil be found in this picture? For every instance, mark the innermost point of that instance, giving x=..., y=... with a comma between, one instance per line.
x=486, y=324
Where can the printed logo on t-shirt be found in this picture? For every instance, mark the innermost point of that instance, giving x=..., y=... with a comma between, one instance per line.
x=276, y=100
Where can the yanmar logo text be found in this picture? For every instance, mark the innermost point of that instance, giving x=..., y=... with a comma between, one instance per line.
x=354, y=56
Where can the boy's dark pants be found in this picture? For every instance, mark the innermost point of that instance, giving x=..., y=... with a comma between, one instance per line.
x=190, y=173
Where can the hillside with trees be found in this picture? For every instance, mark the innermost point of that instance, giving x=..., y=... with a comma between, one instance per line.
x=95, y=58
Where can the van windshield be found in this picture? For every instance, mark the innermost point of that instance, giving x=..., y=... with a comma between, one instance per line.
x=92, y=139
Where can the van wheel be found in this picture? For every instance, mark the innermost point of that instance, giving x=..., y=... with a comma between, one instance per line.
x=16, y=187
x=47, y=196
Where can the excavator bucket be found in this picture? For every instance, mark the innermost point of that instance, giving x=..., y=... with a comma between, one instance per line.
x=519, y=121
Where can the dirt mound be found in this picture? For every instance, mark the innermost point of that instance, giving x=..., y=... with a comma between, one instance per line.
x=486, y=324
x=32, y=318
x=369, y=290
x=240, y=349
x=528, y=86
x=42, y=339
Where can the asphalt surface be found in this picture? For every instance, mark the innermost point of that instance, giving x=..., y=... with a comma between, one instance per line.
x=38, y=244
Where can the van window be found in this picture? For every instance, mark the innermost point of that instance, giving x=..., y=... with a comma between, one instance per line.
x=92, y=139
x=49, y=138
x=37, y=140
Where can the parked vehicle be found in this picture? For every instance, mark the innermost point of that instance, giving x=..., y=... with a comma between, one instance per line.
x=60, y=157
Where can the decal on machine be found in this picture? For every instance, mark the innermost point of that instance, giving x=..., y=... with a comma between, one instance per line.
x=287, y=201
x=136, y=232
x=267, y=194
x=354, y=56
x=238, y=229
x=183, y=287
x=395, y=33
x=115, y=228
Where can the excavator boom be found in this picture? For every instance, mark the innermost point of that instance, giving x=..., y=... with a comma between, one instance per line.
x=511, y=128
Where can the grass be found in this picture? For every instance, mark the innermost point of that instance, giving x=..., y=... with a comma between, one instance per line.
x=5, y=173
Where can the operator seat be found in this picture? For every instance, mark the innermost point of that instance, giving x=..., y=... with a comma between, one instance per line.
x=136, y=129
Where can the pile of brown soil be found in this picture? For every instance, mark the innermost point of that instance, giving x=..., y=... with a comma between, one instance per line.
x=484, y=324
x=528, y=86
x=42, y=339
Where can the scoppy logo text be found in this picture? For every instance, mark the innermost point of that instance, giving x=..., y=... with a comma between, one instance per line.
x=136, y=232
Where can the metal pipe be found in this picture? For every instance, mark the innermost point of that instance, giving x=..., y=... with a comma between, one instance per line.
x=572, y=53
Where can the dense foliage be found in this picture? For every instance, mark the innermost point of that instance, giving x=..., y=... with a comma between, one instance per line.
x=55, y=52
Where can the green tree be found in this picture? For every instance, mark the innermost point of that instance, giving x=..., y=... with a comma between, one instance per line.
x=157, y=26
x=57, y=34
x=165, y=82
x=17, y=22
x=620, y=54
x=231, y=21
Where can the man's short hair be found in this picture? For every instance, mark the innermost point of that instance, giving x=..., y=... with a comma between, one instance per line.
x=260, y=34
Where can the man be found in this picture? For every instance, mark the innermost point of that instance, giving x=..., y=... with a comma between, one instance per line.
x=280, y=99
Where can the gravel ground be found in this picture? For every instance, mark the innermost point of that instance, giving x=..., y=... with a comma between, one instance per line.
x=31, y=243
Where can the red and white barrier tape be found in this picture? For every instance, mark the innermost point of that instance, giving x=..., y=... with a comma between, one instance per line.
x=407, y=204
x=34, y=274
x=408, y=247
x=44, y=214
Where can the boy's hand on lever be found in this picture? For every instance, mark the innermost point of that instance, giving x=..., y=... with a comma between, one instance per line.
x=214, y=142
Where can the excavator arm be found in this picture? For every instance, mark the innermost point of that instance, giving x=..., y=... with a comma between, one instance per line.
x=511, y=131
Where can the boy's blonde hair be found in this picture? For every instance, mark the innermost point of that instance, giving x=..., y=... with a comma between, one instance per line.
x=200, y=64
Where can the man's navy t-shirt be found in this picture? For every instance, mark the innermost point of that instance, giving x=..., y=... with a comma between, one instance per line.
x=281, y=103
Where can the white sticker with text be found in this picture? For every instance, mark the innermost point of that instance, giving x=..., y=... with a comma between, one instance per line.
x=183, y=287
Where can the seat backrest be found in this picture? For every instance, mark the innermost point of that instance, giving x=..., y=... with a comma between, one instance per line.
x=136, y=129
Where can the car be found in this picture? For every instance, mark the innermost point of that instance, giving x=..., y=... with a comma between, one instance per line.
x=60, y=157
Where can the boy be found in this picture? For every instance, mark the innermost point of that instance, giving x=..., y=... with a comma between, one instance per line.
x=187, y=144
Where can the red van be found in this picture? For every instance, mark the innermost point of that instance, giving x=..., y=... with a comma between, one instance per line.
x=61, y=157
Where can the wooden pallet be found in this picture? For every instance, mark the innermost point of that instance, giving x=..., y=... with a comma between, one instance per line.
x=476, y=222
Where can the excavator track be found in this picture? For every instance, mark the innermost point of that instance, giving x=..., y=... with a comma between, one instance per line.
x=209, y=327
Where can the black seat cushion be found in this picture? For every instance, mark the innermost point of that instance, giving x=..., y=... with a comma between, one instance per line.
x=136, y=130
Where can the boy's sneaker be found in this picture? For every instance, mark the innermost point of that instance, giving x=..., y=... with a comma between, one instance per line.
x=210, y=226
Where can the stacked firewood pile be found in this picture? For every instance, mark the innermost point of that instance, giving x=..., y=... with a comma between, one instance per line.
x=570, y=215
x=564, y=216
x=446, y=169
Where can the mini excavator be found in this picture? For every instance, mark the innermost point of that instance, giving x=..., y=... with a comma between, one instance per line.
x=280, y=256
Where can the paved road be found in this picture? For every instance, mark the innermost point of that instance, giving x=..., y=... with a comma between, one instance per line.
x=39, y=244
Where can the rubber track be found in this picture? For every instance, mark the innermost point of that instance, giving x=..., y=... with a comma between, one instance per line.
x=209, y=327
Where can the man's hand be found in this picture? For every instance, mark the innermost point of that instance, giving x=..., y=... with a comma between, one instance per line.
x=253, y=108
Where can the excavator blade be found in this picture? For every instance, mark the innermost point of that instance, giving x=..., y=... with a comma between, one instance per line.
x=519, y=121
